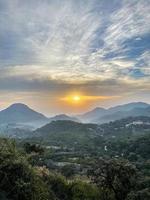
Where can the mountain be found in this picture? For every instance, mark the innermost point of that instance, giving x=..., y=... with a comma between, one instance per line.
x=92, y=115
x=66, y=132
x=136, y=111
x=63, y=117
x=78, y=135
x=129, y=106
x=21, y=113
x=101, y=115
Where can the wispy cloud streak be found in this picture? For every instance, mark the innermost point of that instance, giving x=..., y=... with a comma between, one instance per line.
x=44, y=44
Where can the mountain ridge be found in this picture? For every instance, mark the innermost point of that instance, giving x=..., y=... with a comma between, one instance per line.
x=114, y=113
x=21, y=113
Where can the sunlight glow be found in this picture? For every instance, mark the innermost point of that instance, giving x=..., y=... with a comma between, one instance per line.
x=77, y=99
x=73, y=99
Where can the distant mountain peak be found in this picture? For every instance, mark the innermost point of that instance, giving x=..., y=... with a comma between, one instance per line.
x=20, y=113
x=95, y=113
x=18, y=106
x=129, y=106
x=133, y=103
x=63, y=117
x=99, y=114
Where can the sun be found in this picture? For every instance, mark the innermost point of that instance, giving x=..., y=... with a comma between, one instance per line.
x=76, y=98
x=73, y=99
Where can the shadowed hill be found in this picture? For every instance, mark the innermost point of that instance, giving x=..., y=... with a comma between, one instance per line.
x=67, y=132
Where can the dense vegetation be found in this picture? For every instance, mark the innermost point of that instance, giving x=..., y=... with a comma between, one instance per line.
x=74, y=161
x=22, y=177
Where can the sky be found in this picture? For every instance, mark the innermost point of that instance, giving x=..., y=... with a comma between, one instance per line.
x=53, y=49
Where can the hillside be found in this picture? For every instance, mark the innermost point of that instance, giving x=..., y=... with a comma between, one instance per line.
x=67, y=132
x=126, y=127
x=75, y=134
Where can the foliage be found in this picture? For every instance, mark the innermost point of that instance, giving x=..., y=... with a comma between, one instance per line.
x=68, y=170
x=57, y=170
x=115, y=175
x=33, y=148
x=17, y=178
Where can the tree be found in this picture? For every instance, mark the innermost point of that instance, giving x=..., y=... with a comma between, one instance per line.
x=81, y=190
x=115, y=176
x=68, y=171
x=18, y=179
x=33, y=148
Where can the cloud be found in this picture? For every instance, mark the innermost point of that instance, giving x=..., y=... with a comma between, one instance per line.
x=57, y=46
x=42, y=81
x=127, y=22
x=71, y=36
